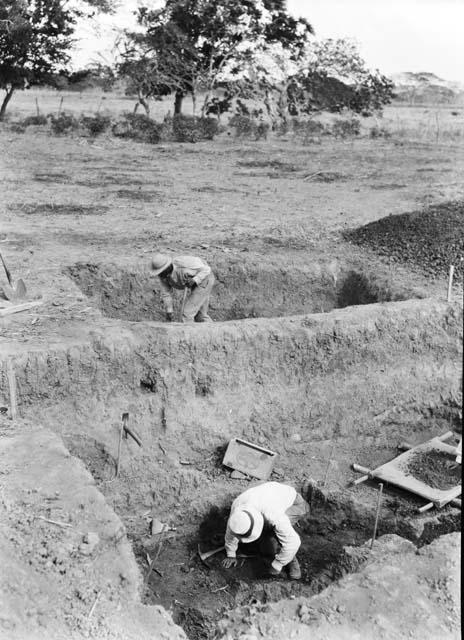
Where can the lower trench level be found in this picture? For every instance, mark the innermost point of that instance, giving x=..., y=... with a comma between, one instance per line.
x=334, y=536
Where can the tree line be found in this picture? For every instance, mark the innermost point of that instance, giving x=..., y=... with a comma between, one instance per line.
x=249, y=57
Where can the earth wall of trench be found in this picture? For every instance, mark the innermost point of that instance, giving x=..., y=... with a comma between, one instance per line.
x=189, y=389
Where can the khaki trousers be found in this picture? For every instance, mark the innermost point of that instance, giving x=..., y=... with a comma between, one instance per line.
x=197, y=302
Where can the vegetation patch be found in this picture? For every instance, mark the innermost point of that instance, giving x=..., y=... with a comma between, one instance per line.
x=51, y=177
x=329, y=176
x=53, y=209
x=390, y=185
x=278, y=165
x=144, y=196
x=104, y=180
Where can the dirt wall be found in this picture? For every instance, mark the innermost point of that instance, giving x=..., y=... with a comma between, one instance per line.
x=190, y=389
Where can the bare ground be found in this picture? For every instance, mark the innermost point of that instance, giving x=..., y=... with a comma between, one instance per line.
x=392, y=370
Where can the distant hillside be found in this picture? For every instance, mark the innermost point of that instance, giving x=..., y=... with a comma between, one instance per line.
x=426, y=88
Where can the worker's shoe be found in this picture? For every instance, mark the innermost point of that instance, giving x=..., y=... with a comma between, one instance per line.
x=293, y=569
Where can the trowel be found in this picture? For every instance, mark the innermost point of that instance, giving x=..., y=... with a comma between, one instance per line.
x=12, y=290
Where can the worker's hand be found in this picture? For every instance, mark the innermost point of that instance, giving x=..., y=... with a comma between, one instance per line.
x=271, y=572
x=229, y=562
x=168, y=317
x=191, y=284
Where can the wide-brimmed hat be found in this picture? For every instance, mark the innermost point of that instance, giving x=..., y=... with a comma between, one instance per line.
x=160, y=262
x=246, y=523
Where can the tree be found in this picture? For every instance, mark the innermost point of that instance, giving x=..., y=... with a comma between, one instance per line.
x=335, y=77
x=35, y=37
x=190, y=44
x=328, y=75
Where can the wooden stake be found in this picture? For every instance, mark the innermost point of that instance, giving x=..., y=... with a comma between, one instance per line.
x=379, y=500
x=61, y=104
x=450, y=283
x=93, y=606
x=10, y=372
x=37, y=106
x=16, y=308
x=118, y=463
x=328, y=465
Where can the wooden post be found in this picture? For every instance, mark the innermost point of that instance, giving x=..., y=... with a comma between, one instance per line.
x=450, y=283
x=10, y=372
x=118, y=463
x=379, y=500
x=329, y=462
x=61, y=104
x=37, y=105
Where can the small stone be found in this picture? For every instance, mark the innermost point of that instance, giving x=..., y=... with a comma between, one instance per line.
x=156, y=526
x=89, y=542
x=296, y=437
x=303, y=610
x=341, y=608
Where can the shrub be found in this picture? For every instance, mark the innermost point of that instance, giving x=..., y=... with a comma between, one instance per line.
x=138, y=126
x=39, y=119
x=379, y=132
x=246, y=127
x=63, y=123
x=346, y=128
x=193, y=128
x=96, y=124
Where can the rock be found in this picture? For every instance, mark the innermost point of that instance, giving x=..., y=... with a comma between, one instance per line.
x=303, y=610
x=89, y=542
x=156, y=526
x=295, y=437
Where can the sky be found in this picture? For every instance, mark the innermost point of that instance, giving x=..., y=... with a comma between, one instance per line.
x=392, y=35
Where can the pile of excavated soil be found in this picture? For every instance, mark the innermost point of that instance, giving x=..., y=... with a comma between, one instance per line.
x=435, y=468
x=432, y=238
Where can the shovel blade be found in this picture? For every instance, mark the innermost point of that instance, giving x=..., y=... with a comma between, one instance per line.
x=16, y=292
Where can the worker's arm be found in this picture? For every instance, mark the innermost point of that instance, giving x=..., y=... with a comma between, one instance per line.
x=166, y=295
x=289, y=541
x=202, y=273
x=231, y=543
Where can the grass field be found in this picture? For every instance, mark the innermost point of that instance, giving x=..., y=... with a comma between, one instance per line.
x=70, y=198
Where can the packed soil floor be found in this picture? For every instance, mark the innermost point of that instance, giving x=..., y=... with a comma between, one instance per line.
x=290, y=363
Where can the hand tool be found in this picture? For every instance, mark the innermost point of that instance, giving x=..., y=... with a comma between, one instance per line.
x=12, y=291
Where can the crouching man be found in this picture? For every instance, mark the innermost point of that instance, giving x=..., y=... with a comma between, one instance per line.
x=267, y=513
x=187, y=273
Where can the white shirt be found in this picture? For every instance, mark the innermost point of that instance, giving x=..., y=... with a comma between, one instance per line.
x=271, y=499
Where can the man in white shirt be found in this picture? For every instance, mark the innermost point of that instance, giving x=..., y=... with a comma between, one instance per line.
x=271, y=508
x=185, y=272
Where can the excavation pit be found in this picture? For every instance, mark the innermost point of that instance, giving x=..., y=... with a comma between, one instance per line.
x=334, y=535
x=334, y=540
x=242, y=290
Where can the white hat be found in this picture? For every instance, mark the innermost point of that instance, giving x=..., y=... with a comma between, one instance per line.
x=160, y=262
x=246, y=523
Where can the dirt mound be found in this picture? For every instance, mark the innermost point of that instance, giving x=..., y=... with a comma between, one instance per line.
x=431, y=239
